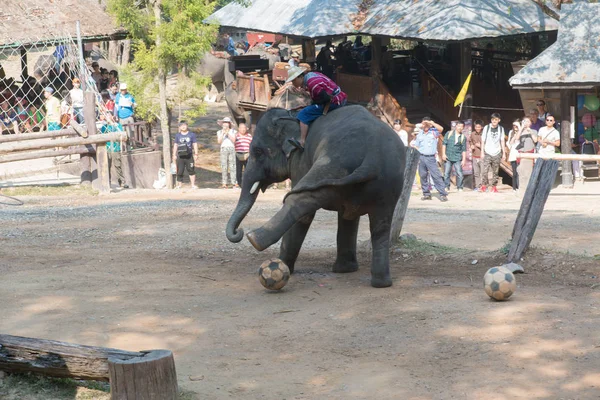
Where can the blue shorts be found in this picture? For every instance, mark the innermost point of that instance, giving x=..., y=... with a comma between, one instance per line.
x=314, y=111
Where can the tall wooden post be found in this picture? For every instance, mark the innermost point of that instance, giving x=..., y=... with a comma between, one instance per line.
x=568, y=98
x=376, y=98
x=466, y=65
x=412, y=163
x=24, y=72
x=308, y=50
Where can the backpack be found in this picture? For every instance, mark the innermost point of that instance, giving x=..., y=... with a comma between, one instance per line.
x=183, y=150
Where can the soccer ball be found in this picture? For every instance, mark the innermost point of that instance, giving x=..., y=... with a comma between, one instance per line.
x=273, y=274
x=499, y=283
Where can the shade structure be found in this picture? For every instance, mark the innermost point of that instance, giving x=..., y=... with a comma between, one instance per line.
x=574, y=60
x=447, y=20
x=24, y=22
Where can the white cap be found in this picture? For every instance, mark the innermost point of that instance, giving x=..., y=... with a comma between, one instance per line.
x=123, y=86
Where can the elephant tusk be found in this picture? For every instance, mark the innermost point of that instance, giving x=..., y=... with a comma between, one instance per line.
x=254, y=187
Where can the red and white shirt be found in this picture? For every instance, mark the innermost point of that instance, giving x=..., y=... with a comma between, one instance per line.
x=316, y=83
x=242, y=143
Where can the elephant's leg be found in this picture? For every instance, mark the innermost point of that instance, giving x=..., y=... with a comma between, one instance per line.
x=346, y=245
x=296, y=206
x=380, y=225
x=220, y=90
x=293, y=239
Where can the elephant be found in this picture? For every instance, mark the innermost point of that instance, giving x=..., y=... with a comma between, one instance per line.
x=352, y=163
x=218, y=70
x=238, y=114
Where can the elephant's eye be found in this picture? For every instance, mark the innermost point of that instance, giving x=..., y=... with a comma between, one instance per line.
x=258, y=152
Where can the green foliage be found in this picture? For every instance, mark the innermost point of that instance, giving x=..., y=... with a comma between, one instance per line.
x=184, y=39
x=190, y=88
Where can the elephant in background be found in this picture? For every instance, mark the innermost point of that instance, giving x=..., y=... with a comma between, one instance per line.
x=352, y=164
x=218, y=70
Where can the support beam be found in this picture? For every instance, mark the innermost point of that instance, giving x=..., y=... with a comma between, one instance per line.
x=103, y=171
x=568, y=98
x=466, y=65
x=21, y=137
x=24, y=71
x=308, y=50
x=89, y=112
x=375, y=72
x=49, y=142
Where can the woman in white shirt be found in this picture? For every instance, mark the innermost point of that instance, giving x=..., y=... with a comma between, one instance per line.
x=401, y=132
x=77, y=100
x=514, y=137
x=226, y=138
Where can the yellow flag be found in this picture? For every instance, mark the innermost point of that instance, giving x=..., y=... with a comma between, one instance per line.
x=463, y=92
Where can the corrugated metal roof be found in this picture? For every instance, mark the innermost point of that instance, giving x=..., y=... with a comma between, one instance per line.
x=574, y=60
x=33, y=21
x=448, y=20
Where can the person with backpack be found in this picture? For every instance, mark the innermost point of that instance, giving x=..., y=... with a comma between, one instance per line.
x=185, y=153
x=454, y=154
x=492, y=143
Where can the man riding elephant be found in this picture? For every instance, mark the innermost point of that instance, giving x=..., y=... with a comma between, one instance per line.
x=325, y=94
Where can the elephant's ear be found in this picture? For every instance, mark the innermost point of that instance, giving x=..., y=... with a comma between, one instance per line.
x=284, y=135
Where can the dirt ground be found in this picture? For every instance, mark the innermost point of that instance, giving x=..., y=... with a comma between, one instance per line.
x=143, y=270
x=140, y=270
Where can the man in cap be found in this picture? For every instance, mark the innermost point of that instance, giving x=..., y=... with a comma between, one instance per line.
x=52, y=120
x=294, y=59
x=325, y=94
x=124, y=105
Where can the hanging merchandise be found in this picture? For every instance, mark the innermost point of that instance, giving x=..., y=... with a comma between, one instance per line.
x=592, y=103
x=580, y=101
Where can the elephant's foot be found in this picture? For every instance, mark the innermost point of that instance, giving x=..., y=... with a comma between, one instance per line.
x=345, y=266
x=381, y=282
x=257, y=240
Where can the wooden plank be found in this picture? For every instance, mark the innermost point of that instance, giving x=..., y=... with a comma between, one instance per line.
x=37, y=135
x=34, y=155
x=58, y=359
x=151, y=377
x=89, y=112
x=49, y=142
x=412, y=162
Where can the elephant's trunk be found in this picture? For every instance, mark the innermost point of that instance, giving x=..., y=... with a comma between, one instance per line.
x=245, y=203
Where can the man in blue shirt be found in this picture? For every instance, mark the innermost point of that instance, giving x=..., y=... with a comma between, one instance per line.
x=426, y=143
x=124, y=105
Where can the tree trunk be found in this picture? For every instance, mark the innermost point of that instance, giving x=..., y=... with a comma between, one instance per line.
x=59, y=359
x=162, y=93
x=126, y=56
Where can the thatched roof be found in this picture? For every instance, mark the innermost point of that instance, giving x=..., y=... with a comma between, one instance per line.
x=574, y=60
x=25, y=22
x=447, y=20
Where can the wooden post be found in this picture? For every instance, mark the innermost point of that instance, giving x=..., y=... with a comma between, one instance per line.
x=88, y=160
x=308, y=50
x=59, y=359
x=375, y=72
x=412, y=162
x=24, y=71
x=538, y=190
x=568, y=98
x=150, y=377
x=465, y=69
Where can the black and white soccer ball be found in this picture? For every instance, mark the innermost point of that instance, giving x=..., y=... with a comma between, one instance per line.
x=499, y=283
x=273, y=274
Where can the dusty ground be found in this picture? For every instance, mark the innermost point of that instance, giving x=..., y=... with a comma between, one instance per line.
x=146, y=270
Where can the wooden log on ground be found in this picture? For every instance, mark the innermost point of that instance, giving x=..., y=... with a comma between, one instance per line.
x=532, y=209
x=33, y=155
x=412, y=162
x=58, y=359
x=37, y=135
x=75, y=141
x=151, y=377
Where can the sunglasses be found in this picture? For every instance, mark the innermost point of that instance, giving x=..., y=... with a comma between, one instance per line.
x=549, y=120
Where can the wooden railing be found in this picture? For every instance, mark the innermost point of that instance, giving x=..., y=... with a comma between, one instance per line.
x=141, y=135
x=358, y=88
x=437, y=100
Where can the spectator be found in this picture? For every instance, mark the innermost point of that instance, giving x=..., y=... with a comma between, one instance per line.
x=66, y=110
x=294, y=60
x=590, y=134
x=401, y=132
x=230, y=45
x=77, y=100
x=35, y=118
x=548, y=137
x=185, y=153
x=104, y=80
x=324, y=60
x=226, y=138
x=426, y=143
x=454, y=153
x=242, y=150
x=109, y=103
x=492, y=143
x=514, y=142
x=536, y=123
x=52, y=110
x=8, y=118
x=113, y=90
x=527, y=139
x=96, y=73
x=113, y=149
x=124, y=106
x=475, y=145
x=113, y=78
x=541, y=107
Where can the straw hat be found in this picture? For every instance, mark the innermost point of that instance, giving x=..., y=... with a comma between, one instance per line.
x=295, y=72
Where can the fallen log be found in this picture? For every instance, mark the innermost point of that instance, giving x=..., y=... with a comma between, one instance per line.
x=58, y=359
